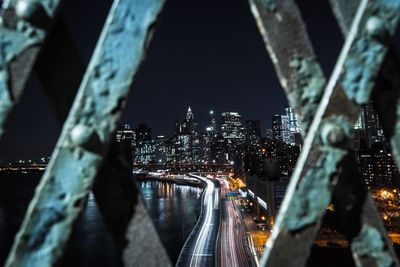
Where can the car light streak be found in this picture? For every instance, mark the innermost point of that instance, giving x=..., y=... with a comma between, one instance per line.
x=251, y=193
x=262, y=203
x=201, y=245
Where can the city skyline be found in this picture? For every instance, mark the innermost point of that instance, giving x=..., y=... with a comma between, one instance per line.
x=199, y=133
x=266, y=124
x=215, y=63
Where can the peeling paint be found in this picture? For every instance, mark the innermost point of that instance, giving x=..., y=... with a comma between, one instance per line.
x=369, y=243
x=308, y=88
x=314, y=192
x=86, y=134
x=363, y=62
x=15, y=39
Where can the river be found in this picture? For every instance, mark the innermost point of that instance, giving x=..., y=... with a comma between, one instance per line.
x=171, y=207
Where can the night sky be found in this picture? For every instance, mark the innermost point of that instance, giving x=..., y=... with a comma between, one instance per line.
x=204, y=52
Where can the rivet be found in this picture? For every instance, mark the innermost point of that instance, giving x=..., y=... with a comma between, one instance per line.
x=332, y=134
x=31, y=11
x=82, y=135
x=376, y=27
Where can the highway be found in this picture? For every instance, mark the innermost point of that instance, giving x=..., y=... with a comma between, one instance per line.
x=199, y=249
x=233, y=249
x=219, y=236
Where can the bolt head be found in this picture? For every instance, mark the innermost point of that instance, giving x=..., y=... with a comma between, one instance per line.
x=376, y=27
x=81, y=135
x=26, y=9
x=31, y=11
x=332, y=134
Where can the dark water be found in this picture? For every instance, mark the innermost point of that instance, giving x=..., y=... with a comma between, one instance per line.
x=172, y=208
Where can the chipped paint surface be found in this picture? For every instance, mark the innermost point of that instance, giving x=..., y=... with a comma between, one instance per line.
x=369, y=243
x=12, y=44
x=86, y=134
x=344, y=12
x=307, y=89
x=314, y=192
x=363, y=62
x=16, y=37
x=96, y=111
x=292, y=54
x=297, y=228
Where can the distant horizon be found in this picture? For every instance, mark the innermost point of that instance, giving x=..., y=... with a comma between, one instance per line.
x=204, y=121
x=218, y=63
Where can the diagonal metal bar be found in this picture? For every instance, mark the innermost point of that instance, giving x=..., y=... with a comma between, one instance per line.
x=119, y=202
x=363, y=50
x=344, y=11
x=125, y=215
x=291, y=52
x=264, y=17
x=23, y=28
x=60, y=73
x=386, y=94
x=86, y=134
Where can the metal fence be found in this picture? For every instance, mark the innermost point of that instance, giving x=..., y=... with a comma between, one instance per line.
x=84, y=156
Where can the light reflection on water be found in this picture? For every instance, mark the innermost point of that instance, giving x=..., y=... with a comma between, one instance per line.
x=172, y=208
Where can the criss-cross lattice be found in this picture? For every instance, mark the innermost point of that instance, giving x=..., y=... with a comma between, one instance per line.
x=326, y=171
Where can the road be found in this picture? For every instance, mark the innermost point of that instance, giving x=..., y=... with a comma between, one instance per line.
x=219, y=236
x=233, y=249
x=199, y=249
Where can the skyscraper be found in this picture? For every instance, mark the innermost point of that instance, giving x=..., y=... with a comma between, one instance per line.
x=277, y=127
x=373, y=129
x=212, y=127
x=208, y=138
x=125, y=134
x=232, y=133
x=252, y=131
x=293, y=123
x=145, y=145
x=161, y=149
x=231, y=127
x=125, y=138
x=360, y=124
x=285, y=128
x=187, y=142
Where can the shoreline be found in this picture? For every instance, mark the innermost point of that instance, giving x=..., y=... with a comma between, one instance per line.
x=178, y=181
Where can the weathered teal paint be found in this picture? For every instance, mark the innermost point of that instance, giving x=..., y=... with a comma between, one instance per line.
x=291, y=52
x=299, y=219
x=315, y=190
x=16, y=38
x=307, y=89
x=86, y=134
x=12, y=44
x=369, y=243
x=363, y=62
x=376, y=28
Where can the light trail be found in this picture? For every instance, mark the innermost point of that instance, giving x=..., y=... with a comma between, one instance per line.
x=232, y=239
x=219, y=237
x=208, y=202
